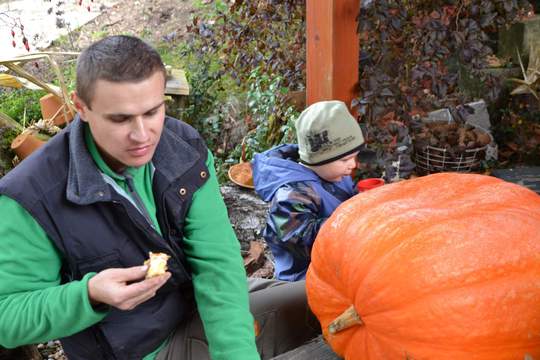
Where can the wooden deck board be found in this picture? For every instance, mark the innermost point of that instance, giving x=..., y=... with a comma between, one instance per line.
x=316, y=349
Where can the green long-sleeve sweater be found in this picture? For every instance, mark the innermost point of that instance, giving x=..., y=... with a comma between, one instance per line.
x=34, y=307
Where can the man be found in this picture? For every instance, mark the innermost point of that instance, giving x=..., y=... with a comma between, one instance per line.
x=81, y=214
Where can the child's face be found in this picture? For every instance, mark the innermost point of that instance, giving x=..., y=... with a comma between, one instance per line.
x=336, y=170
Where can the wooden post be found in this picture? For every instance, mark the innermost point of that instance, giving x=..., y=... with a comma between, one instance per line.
x=332, y=50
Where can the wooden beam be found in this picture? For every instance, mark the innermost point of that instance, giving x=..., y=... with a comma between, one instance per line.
x=332, y=50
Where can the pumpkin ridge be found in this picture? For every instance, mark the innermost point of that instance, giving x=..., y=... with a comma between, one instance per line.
x=375, y=266
x=373, y=322
x=411, y=301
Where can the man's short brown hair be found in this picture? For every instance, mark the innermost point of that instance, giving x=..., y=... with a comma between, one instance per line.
x=118, y=58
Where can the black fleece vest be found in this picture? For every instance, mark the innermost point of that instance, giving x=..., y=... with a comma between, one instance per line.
x=102, y=229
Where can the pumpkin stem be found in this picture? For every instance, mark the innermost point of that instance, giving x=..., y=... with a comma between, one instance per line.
x=344, y=321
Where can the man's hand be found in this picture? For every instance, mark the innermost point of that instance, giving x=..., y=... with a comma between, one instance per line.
x=115, y=287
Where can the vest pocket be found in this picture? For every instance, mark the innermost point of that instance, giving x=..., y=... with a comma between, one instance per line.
x=99, y=263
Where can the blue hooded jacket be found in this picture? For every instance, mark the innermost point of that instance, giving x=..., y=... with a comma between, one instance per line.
x=300, y=203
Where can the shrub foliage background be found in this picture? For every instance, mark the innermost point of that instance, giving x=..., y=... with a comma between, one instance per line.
x=244, y=58
x=420, y=56
x=242, y=61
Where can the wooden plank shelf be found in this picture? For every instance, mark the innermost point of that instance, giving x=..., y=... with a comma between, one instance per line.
x=177, y=83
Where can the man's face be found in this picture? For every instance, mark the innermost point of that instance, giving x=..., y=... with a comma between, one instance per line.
x=126, y=119
x=337, y=169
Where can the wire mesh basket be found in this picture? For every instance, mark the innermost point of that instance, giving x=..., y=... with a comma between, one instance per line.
x=430, y=159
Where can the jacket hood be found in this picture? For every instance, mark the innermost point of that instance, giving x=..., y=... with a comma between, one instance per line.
x=277, y=167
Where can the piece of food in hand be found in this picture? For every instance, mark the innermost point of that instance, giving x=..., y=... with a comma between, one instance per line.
x=157, y=264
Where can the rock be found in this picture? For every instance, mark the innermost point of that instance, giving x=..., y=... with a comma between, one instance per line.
x=439, y=115
x=247, y=213
x=479, y=118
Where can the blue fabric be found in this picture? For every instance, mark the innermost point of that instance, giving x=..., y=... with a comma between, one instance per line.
x=300, y=202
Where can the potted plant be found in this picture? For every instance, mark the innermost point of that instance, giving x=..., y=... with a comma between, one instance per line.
x=56, y=108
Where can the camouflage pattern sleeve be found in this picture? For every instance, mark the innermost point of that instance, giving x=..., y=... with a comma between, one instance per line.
x=294, y=218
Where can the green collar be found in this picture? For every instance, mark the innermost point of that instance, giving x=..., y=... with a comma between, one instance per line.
x=102, y=165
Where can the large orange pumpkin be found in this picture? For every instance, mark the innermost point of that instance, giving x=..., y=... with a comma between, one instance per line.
x=445, y=266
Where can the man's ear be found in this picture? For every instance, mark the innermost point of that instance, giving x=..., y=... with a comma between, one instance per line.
x=79, y=104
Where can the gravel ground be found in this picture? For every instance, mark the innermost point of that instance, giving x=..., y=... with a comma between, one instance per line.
x=52, y=350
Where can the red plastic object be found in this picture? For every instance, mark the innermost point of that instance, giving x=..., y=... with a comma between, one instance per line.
x=368, y=184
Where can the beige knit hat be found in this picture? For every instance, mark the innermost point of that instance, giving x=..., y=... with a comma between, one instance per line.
x=326, y=131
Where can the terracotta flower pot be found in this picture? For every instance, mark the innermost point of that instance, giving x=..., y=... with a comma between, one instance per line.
x=52, y=107
x=25, y=144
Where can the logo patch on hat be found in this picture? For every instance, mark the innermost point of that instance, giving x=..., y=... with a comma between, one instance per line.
x=318, y=141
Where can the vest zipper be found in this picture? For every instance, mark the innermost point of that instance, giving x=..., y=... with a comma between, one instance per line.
x=137, y=199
